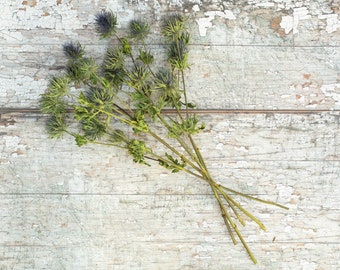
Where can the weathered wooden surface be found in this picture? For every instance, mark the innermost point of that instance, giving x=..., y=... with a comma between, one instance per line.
x=64, y=207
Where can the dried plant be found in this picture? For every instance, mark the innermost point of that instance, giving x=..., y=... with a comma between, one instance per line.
x=126, y=89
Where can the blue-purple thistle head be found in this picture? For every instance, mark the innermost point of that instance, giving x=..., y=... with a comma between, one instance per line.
x=73, y=50
x=106, y=23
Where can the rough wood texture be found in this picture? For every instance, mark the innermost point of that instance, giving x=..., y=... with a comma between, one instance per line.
x=64, y=207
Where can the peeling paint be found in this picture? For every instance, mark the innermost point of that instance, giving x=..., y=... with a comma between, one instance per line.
x=289, y=23
x=205, y=23
x=196, y=8
x=332, y=91
x=332, y=22
x=31, y=3
x=12, y=145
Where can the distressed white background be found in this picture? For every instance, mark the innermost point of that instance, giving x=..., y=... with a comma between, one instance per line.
x=64, y=207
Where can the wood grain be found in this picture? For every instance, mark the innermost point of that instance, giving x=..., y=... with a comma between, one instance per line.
x=269, y=73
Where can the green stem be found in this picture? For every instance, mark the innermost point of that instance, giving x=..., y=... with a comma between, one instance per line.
x=158, y=157
x=108, y=144
x=195, y=147
x=172, y=149
x=229, y=199
x=253, y=198
x=185, y=94
x=148, y=66
x=228, y=220
x=180, y=141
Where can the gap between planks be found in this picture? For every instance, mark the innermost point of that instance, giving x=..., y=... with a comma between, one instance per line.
x=25, y=111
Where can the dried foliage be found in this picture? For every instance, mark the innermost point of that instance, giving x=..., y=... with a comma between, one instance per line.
x=125, y=89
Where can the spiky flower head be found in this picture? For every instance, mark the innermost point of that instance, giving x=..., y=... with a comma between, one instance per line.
x=174, y=26
x=146, y=57
x=56, y=126
x=114, y=58
x=73, y=50
x=82, y=69
x=58, y=85
x=93, y=128
x=139, y=77
x=106, y=23
x=178, y=55
x=166, y=83
x=138, y=29
x=165, y=80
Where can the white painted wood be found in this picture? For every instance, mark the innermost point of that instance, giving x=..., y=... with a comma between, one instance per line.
x=64, y=207
x=91, y=207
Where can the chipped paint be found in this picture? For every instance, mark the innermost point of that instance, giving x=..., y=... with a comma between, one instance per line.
x=13, y=145
x=289, y=23
x=196, y=8
x=253, y=62
x=332, y=91
x=205, y=23
x=332, y=22
x=31, y=3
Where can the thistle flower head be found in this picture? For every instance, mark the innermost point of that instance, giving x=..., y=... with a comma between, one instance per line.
x=106, y=23
x=114, y=58
x=173, y=26
x=93, y=128
x=146, y=57
x=139, y=77
x=73, y=50
x=58, y=85
x=138, y=29
x=166, y=83
x=178, y=54
x=165, y=80
x=100, y=97
x=56, y=126
x=84, y=68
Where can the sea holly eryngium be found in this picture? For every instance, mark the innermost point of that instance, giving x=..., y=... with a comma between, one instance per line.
x=126, y=89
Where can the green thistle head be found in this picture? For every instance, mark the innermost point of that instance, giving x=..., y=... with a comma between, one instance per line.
x=56, y=126
x=106, y=23
x=138, y=29
x=174, y=26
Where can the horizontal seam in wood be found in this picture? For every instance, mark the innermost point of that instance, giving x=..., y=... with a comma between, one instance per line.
x=197, y=111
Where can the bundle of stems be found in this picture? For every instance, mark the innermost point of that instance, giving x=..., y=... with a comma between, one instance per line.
x=90, y=101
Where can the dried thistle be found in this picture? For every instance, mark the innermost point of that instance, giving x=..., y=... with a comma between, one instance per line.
x=125, y=89
x=106, y=23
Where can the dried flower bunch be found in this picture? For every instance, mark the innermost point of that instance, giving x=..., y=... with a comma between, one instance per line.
x=92, y=101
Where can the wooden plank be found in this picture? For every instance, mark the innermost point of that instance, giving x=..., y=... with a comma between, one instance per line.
x=261, y=149
x=55, y=196
x=155, y=232
x=220, y=77
x=64, y=207
x=214, y=22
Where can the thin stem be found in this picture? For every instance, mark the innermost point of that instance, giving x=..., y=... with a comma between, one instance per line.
x=196, y=149
x=239, y=218
x=181, y=142
x=148, y=66
x=229, y=199
x=251, y=255
x=108, y=144
x=175, y=151
x=253, y=198
x=227, y=220
x=185, y=94
x=158, y=158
